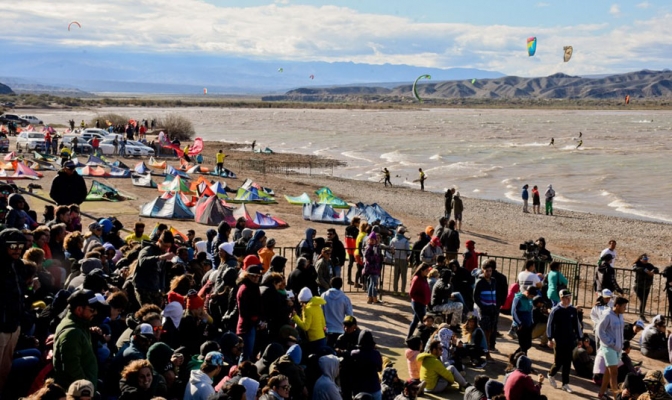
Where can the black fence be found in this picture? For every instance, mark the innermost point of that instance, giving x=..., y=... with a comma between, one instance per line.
x=580, y=281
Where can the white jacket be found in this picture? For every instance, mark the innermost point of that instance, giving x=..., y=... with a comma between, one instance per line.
x=199, y=386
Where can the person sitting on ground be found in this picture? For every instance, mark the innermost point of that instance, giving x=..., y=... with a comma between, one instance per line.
x=436, y=376
x=427, y=329
x=628, y=367
x=581, y=358
x=477, y=392
x=520, y=384
x=630, y=330
x=654, y=341
x=445, y=299
x=655, y=387
x=391, y=385
x=476, y=342
x=632, y=388
x=411, y=390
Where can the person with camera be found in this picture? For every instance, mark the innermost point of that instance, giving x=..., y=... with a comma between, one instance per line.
x=150, y=274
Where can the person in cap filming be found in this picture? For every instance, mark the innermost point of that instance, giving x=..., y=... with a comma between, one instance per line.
x=74, y=358
x=68, y=187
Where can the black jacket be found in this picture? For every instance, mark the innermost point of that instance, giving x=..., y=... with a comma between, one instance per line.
x=450, y=240
x=502, y=287
x=337, y=251
x=563, y=326
x=302, y=277
x=68, y=189
x=150, y=272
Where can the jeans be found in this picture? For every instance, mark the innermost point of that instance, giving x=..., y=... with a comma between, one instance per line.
x=419, y=311
x=26, y=359
x=7, y=345
x=336, y=270
x=248, y=344
x=316, y=346
x=373, y=285
x=400, y=272
x=525, y=205
x=643, y=296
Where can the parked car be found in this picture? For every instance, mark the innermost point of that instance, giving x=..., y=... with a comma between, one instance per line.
x=144, y=149
x=4, y=119
x=4, y=143
x=32, y=119
x=107, y=147
x=31, y=141
x=82, y=146
x=89, y=133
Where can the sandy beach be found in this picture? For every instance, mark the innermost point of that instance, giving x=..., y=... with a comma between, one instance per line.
x=497, y=227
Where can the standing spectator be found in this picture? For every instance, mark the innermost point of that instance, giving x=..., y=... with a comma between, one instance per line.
x=536, y=200
x=644, y=272
x=422, y=179
x=373, y=266
x=312, y=320
x=250, y=310
x=219, y=160
x=556, y=282
x=150, y=273
x=54, y=144
x=563, y=331
x=11, y=297
x=549, y=195
x=502, y=293
x=610, y=250
x=74, y=358
x=458, y=209
x=470, y=257
x=605, y=275
x=200, y=386
x=47, y=142
x=431, y=251
x=526, y=197
x=323, y=268
x=351, y=233
x=450, y=241
x=367, y=364
x=337, y=308
x=610, y=333
x=416, y=249
x=421, y=296
x=667, y=273
x=95, y=143
x=337, y=252
x=448, y=202
x=68, y=187
x=529, y=276
x=485, y=298
x=401, y=251
x=521, y=311
x=266, y=254
x=115, y=143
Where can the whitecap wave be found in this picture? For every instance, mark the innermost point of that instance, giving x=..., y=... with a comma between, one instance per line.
x=356, y=156
x=394, y=156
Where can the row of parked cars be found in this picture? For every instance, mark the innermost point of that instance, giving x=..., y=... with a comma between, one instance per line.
x=20, y=120
x=34, y=141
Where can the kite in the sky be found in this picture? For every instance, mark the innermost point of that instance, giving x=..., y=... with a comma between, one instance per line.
x=74, y=22
x=568, y=52
x=473, y=81
x=312, y=77
x=280, y=70
x=531, y=46
x=205, y=90
x=415, y=90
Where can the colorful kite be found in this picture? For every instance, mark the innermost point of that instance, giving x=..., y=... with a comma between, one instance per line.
x=280, y=70
x=568, y=52
x=415, y=89
x=531, y=46
x=312, y=77
x=74, y=22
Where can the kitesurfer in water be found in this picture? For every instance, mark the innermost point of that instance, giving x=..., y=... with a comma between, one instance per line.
x=422, y=179
x=580, y=143
x=552, y=142
x=580, y=135
x=387, y=177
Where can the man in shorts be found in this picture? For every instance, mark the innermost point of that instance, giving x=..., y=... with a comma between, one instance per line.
x=610, y=332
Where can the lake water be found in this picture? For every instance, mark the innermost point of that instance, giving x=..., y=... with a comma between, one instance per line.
x=623, y=168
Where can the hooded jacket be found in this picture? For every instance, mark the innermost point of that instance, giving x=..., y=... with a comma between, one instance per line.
x=254, y=245
x=442, y=290
x=266, y=254
x=325, y=387
x=313, y=321
x=367, y=363
x=251, y=388
x=13, y=284
x=249, y=306
x=337, y=306
x=199, y=386
x=288, y=365
x=150, y=272
x=519, y=384
x=470, y=261
x=68, y=189
x=521, y=310
x=337, y=250
x=74, y=358
x=305, y=247
x=401, y=247
x=432, y=369
x=276, y=309
x=550, y=193
x=14, y=217
x=272, y=352
x=323, y=268
x=373, y=260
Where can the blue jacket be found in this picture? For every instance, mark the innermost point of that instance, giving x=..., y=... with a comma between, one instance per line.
x=337, y=307
x=521, y=310
x=526, y=195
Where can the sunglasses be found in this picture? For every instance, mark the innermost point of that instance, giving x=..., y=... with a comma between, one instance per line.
x=286, y=387
x=158, y=328
x=16, y=246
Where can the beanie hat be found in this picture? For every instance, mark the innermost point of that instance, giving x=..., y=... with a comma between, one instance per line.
x=194, y=302
x=250, y=260
x=305, y=295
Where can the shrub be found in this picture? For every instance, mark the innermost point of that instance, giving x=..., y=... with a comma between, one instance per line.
x=177, y=127
x=115, y=119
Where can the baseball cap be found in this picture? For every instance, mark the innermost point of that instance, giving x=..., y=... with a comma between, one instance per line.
x=227, y=247
x=215, y=359
x=81, y=388
x=349, y=320
x=94, y=226
x=640, y=323
x=145, y=330
x=69, y=165
x=401, y=229
x=565, y=293
x=255, y=269
x=85, y=297
x=607, y=293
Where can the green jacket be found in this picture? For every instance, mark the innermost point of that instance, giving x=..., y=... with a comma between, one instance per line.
x=74, y=358
x=432, y=369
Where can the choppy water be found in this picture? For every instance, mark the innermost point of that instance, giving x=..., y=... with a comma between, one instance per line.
x=624, y=167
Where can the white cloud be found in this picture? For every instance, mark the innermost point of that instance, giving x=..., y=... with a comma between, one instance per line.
x=542, y=4
x=644, y=4
x=615, y=10
x=331, y=33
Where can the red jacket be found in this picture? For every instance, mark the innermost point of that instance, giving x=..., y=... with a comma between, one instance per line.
x=519, y=386
x=420, y=292
x=249, y=306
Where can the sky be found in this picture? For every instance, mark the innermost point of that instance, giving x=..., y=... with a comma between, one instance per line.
x=607, y=36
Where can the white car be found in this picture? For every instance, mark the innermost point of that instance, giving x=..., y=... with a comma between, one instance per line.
x=31, y=141
x=107, y=147
x=89, y=134
x=32, y=119
x=144, y=149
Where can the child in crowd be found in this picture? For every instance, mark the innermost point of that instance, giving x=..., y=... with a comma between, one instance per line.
x=415, y=345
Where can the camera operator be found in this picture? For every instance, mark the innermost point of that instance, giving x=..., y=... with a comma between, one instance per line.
x=543, y=256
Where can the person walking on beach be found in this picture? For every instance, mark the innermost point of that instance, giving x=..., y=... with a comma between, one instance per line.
x=219, y=168
x=536, y=200
x=526, y=197
x=254, y=143
x=549, y=194
x=563, y=331
x=458, y=208
x=610, y=333
x=387, y=176
x=422, y=179
x=449, y=202
x=552, y=142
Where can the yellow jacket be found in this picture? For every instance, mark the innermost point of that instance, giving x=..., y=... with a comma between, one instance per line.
x=313, y=322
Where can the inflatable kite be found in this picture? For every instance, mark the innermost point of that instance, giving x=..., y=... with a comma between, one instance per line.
x=312, y=77
x=568, y=52
x=415, y=89
x=531, y=46
x=74, y=22
x=195, y=149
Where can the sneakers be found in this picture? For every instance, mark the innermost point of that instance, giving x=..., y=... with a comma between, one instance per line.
x=513, y=334
x=421, y=388
x=480, y=363
x=551, y=381
x=567, y=389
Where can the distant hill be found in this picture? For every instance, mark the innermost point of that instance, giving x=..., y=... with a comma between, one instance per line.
x=640, y=84
x=4, y=89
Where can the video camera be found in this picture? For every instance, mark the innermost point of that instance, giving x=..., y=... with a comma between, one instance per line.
x=530, y=249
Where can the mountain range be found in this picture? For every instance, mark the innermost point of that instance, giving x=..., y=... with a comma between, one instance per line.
x=639, y=84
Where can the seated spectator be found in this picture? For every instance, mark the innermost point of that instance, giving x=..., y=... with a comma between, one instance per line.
x=81, y=390
x=494, y=388
x=632, y=388
x=391, y=385
x=630, y=330
x=326, y=387
x=411, y=390
x=654, y=341
x=139, y=381
x=627, y=366
x=367, y=364
x=415, y=345
x=436, y=376
x=655, y=387
x=200, y=381
x=520, y=384
x=290, y=366
x=477, y=392
x=581, y=358
x=277, y=388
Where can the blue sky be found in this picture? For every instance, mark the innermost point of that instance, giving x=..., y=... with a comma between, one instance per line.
x=607, y=36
